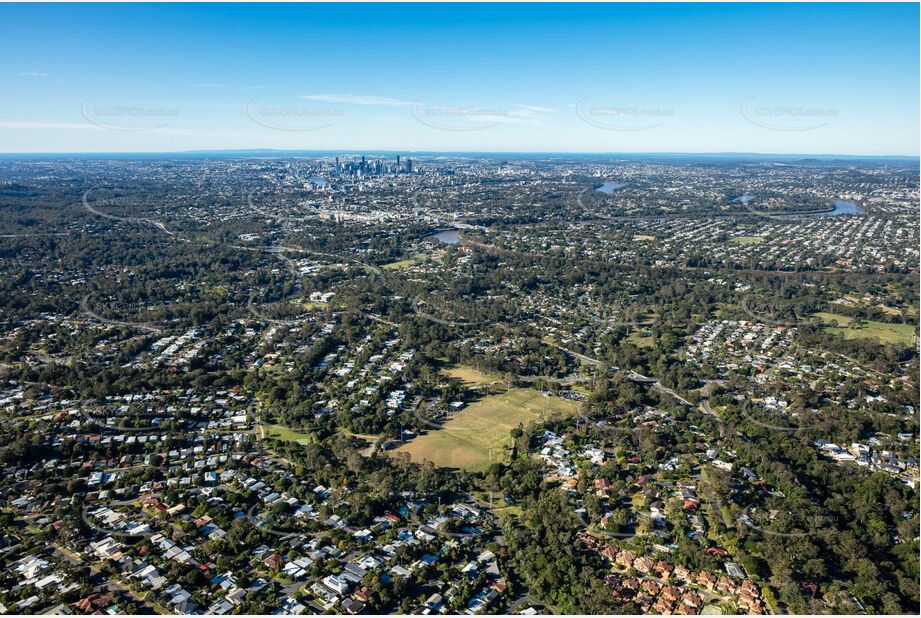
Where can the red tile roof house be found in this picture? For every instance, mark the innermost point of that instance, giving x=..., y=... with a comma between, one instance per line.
x=692, y=599
x=662, y=607
x=590, y=541
x=651, y=586
x=202, y=521
x=725, y=584
x=273, y=561
x=683, y=610
x=626, y=558
x=664, y=569
x=682, y=573
x=706, y=579
x=632, y=583
x=93, y=602
x=609, y=552
x=363, y=594
x=643, y=564
x=602, y=486
x=717, y=551
x=671, y=593
x=392, y=517
x=749, y=587
x=749, y=602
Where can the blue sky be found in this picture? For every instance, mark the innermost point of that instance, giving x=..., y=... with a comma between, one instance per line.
x=773, y=78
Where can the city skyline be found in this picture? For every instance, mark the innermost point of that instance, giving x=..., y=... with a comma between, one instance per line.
x=612, y=79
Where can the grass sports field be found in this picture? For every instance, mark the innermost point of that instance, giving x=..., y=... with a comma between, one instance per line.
x=886, y=333
x=466, y=440
x=746, y=240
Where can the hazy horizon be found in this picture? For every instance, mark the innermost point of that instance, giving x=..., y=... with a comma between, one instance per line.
x=395, y=151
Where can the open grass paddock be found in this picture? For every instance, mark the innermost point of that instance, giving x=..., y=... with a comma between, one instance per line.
x=466, y=440
x=886, y=333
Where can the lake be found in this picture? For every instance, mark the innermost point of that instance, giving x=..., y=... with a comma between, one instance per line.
x=841, y=207
x=610, y=187
x=449, y=237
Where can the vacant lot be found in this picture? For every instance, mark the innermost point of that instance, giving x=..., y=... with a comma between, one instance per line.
x=642, y=336
x=403, y=264
x=642, y=340
x=886, y=333
x=467, y=440
x=284, y=433
x=470, y=376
